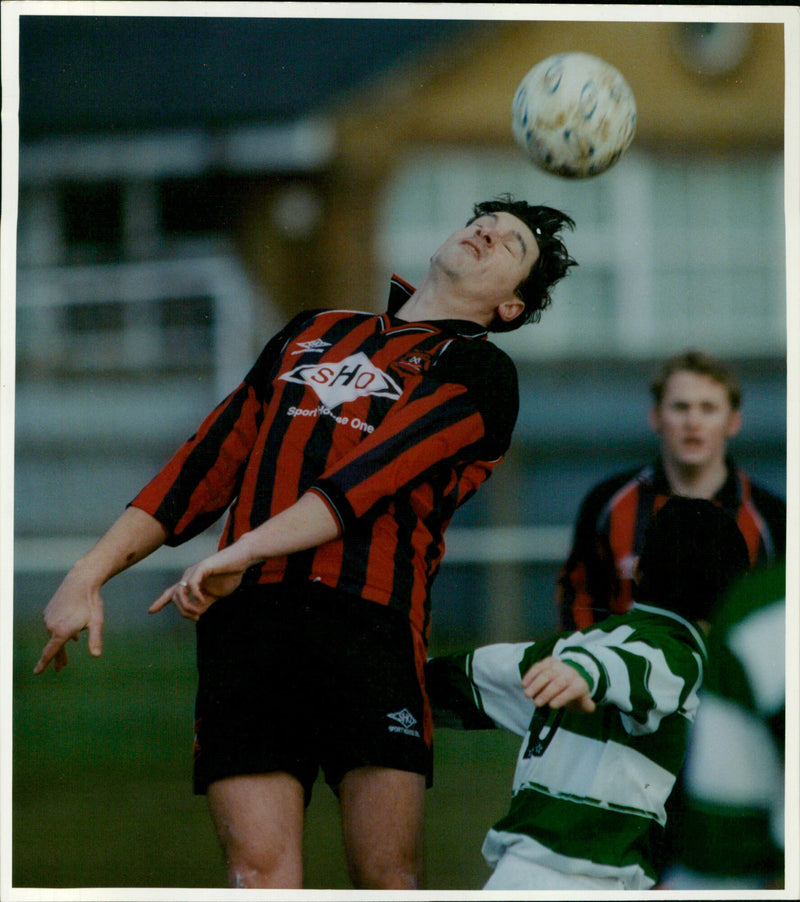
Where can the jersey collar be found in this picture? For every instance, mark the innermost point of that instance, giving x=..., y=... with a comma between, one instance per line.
x=400, y=291
x=729, y=494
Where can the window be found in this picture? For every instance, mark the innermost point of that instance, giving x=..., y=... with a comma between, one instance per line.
x=93, y=221
x=671, y=251
x=195, y=206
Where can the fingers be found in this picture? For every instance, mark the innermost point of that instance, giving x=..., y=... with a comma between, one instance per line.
x=556, y=694
x=162, y=601
x=185, y=598
x=554, y=683
x=75, y=606
x=60, y=659
x=95, y=642
x=195, y=589
x=200, y=587
x=53, y=649
x=585, y=703
x=538, y=676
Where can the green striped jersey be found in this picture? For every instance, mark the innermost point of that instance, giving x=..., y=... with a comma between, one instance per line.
x=589, y=790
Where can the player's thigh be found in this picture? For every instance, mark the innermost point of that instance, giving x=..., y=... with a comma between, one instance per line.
x=382, y=823
x=258, y=819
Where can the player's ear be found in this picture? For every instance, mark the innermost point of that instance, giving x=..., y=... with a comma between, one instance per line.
x=654, y=419
x=511, y=309
x=734, y=423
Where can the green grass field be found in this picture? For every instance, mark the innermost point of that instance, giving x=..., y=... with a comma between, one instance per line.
x=102, y=778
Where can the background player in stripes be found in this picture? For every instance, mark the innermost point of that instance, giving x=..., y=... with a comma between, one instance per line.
x=696, y=410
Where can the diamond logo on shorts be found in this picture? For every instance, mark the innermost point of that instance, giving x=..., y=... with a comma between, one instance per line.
x=406, y=720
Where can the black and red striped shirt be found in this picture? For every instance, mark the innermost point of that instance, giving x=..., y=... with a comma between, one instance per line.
x=393, y=423
x=597, y=578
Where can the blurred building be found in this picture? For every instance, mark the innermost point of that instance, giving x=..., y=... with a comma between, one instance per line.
x=187, y=184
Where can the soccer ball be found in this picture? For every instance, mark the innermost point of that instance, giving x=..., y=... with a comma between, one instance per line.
x=574, y=115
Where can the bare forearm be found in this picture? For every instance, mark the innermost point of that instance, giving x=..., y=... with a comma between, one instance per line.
x=306, y=524
x=133, y=536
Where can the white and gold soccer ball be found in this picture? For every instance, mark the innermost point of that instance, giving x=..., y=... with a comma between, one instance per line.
x=574, y=115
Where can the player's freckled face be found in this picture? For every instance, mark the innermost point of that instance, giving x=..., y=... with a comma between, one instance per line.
x=490, y=257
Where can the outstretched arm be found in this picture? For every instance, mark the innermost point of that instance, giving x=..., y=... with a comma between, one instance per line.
x=307, y=523
x=480, y=689
x=76, y=604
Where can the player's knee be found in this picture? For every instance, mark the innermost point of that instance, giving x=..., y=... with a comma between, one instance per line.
x=261, y=871
x=377, y=871
x=259, y=824
x=251, y=864
x=386, y=878
x=241, y=876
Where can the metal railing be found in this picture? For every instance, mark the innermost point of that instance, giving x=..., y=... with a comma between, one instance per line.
x=114, y=317
x=465, y=545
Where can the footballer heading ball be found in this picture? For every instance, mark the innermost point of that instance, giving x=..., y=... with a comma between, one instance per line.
x=574, y=115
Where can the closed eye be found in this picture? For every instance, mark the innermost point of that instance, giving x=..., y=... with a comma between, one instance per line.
x=517, y=251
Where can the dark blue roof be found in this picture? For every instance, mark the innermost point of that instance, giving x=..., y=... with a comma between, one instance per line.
x=120, y=73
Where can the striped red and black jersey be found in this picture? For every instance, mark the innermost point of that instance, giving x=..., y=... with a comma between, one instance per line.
x=597, y=578
x=393, y=424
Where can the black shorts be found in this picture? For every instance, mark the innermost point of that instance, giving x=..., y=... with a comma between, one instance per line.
x=296, y=678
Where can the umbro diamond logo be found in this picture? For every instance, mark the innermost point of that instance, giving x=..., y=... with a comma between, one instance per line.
x=406, y=720
x=404, y=717
x=351, y=378
x=316, y=346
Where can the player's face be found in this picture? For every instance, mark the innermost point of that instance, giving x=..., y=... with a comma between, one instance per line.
x=695, y=420
x=488, y=259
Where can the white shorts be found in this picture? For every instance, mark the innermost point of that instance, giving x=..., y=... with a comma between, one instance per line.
x=518, y=872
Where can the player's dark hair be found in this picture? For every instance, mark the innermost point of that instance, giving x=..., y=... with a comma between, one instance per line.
x=701, y=364
x=693, y=551
x=552, y=263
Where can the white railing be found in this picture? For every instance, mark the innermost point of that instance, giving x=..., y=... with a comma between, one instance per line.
x=141, y=343
x=484, y=545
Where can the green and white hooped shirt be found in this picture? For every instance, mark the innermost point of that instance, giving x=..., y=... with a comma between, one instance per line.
x=589, y=789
